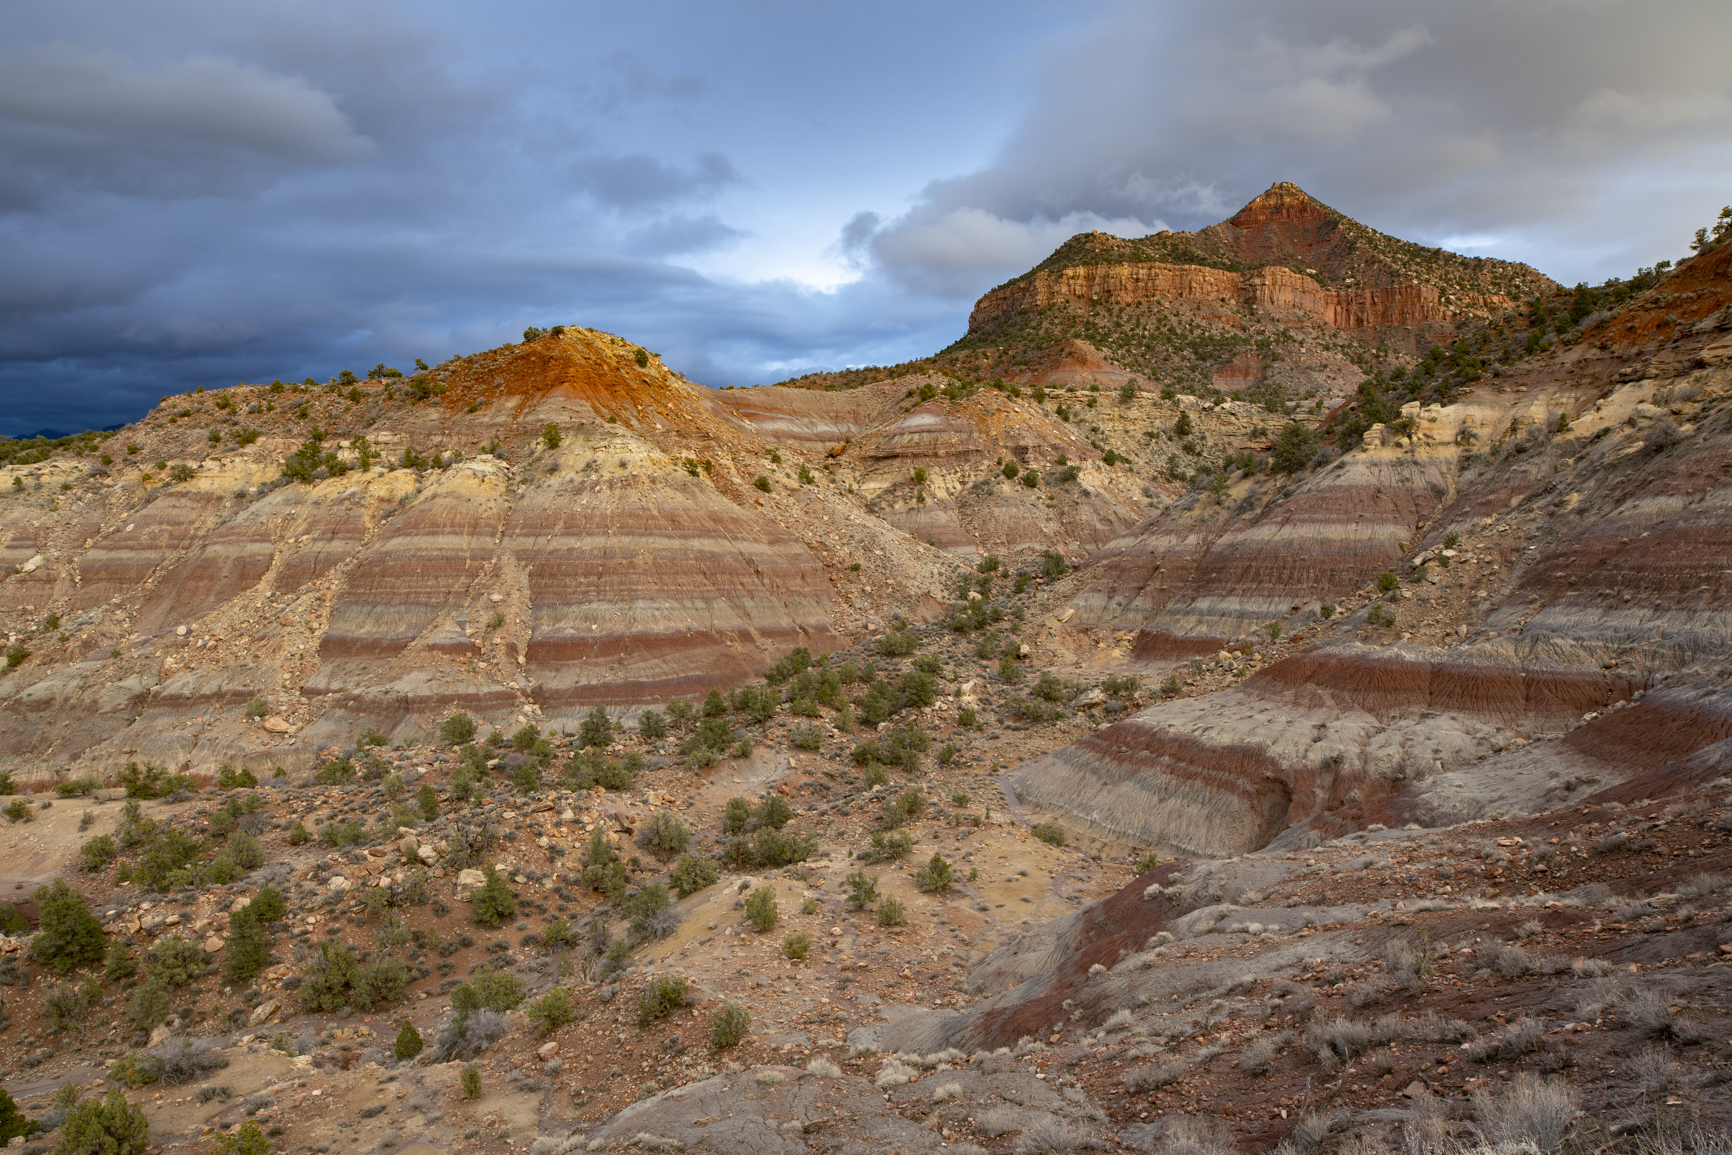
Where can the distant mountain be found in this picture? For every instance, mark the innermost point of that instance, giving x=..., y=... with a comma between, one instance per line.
x=1287, y=301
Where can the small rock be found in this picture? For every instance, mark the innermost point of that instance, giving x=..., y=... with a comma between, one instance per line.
x=264, y=1013
x=276, y=724
x=213, y=944
x=338, y=884
x=468, y=881
x=547, y=1050
x=1415, y=1089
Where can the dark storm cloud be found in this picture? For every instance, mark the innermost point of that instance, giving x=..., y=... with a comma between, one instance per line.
x=72, y=119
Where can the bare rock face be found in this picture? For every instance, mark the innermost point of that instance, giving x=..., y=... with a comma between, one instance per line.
x=615, y=618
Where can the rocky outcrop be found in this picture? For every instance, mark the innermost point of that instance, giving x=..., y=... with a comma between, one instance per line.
x=1276, y=290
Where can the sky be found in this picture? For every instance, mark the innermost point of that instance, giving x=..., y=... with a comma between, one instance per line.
x=196, y=192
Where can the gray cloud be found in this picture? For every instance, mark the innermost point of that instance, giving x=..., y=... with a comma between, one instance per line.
x=197, y=125
x=1518, y=125
x=638, y=180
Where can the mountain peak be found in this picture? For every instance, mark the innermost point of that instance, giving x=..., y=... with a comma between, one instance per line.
x=1282, y=196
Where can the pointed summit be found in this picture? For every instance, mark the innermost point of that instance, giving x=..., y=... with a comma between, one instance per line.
x=1285, y=225
x=1281, y=197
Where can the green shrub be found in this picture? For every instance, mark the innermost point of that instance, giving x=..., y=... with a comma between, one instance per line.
x=338, y=978
x=660, y=997
x=1052, y=564
x=149, y=1007
x=804, y=737
x=691, y=874
x=552, y=1010
x=258, y=708
x=492, y=904
x=151, y=781
x=1387, y=581
x=862, y=890
x=761, y=908
x=597, y=729
x=795, y=946
x=935, y=876
x=664, y=835
x=67, y=934
x=729, y=1025
x=13, y=1123
x=884, y=847
x=773, y=811
x=246, y=851
x=247, y=950
x=487, y=991
x=1050, y=832
x=761, y=482
x=967, y=718
x=19, y=811
x=651, y=725
x=890, y=912
x=896, y=643
x=298, y=833
x=904, y=808
x=344, y=834
x=228, y=778
x=336, y=772
x=99, y=852
x=409, y=1042
x=174, y=962
x=735, y=815
x=471, y=1081
x=772, y=849
x=246, y=1139
x=643, y=907
x=560, y=934
x=109, y=1126
x=66, y=1007
x=457, y=729
x=117, y=963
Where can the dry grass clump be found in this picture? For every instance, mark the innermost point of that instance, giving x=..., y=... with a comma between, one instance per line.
x=1705, y=884
x=1259, y=1057
x=823, y=1068
x=1654, y=1069
x=1190, y=1135
x=1532, y=1111
x=1591, y=968
x=946, y=1092
x=996, y=1121
x=893, y=1073
x=1427, y=1028
x=1504, y=960
x=1338, y=1042
x=1517, y=1039
x=1678, y=1141
x=1047, y=1135
x=1648, y=1011
x=1157, y=1074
